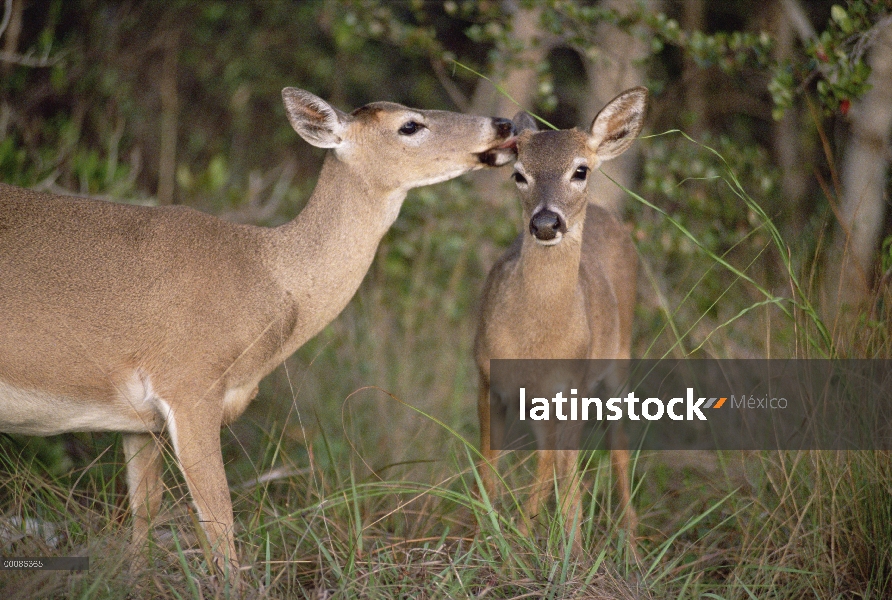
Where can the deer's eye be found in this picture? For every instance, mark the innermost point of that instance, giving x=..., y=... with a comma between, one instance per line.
x=518, y=177
x=410, y=128
x=580, y=173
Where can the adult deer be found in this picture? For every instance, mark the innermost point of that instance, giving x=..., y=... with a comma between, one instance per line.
x=151, y=319
x=564, y=289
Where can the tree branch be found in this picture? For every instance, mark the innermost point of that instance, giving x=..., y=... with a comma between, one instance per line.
x=799, y=19
x=7, y=15
x=461, y=101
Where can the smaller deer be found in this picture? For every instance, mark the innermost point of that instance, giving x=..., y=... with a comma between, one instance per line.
x=564, y=289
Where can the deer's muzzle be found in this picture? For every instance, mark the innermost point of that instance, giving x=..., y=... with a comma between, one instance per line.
x=501, y=153
x=547, y=225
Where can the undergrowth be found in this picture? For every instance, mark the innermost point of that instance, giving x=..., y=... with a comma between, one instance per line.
x=352, y=473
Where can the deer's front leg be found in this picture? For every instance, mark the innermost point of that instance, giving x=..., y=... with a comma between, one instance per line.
x=492, y=427
x=195, y=433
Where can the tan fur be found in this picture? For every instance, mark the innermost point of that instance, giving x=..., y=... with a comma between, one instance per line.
x=574, y=299
x=151, y=319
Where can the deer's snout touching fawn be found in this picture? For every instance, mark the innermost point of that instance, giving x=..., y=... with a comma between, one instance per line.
x=163, y=320
x=564, y=289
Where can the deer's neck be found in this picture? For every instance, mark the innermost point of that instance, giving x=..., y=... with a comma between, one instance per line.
x=321, y=257
x=549, y=276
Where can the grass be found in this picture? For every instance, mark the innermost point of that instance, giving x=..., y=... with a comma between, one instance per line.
x=352, y=474
x=730, y=525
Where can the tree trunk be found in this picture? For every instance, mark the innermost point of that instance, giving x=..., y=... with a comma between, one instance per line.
x=12, y=15
x=167, y=163
x=790, y=148
x=694, y=76
x=616, y=67
x=863, y=177
x=520, y=82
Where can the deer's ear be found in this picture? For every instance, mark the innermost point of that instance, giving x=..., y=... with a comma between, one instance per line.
x=319, y=123
x=523, y=121
x=618, y=124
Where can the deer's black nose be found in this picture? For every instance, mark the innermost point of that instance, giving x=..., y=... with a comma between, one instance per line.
x=546, y=224
x=504, y=128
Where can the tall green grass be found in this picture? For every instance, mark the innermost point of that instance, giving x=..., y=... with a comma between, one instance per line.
x=352, y=473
